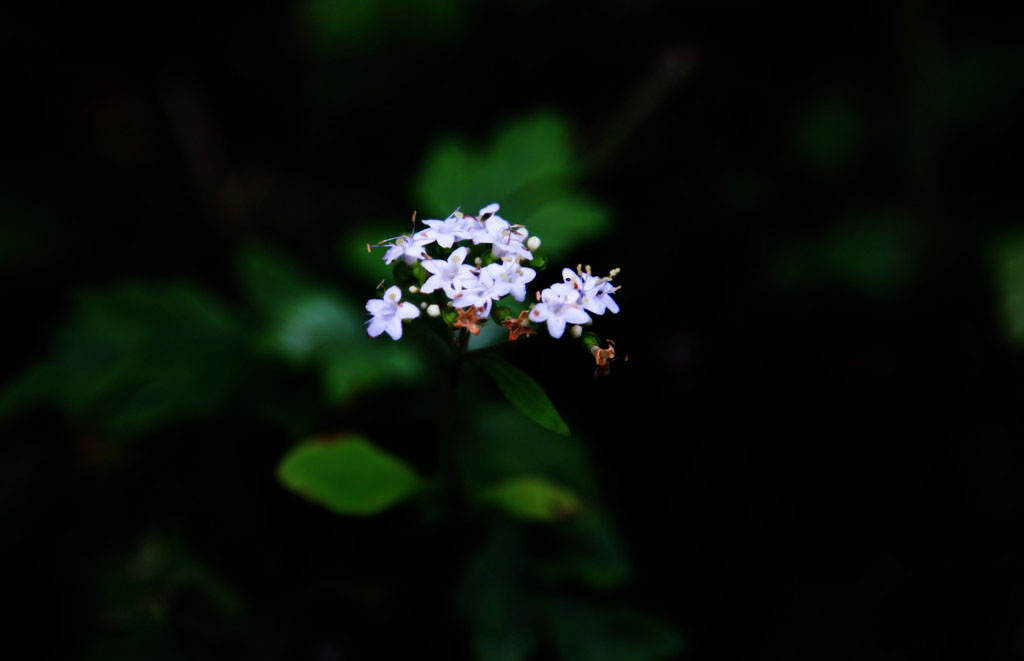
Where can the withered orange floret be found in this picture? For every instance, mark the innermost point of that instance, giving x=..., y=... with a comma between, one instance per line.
x=468, y=320
x=603, y=357
x=518, y=327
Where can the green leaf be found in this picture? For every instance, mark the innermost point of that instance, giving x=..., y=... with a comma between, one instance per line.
x=524, y=393
x=348, y=476
x=533, y=498
x=508, y=445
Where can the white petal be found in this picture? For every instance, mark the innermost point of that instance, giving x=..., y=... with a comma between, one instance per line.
x=576, y=316
x=556, y=326
x=408, y=311
x=375, y=327
x=394, y=328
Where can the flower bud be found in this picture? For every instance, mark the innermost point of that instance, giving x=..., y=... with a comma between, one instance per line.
x=433, y=310
x=501, y=313
x=539, y=262
x=533, y=243
x=413, y=289
x=450, y=315
x=576, y=331
x=590, y=340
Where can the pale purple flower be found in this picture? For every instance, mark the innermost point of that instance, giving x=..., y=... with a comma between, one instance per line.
x=481, y=293
x=455, y=227
x=408, y=248
x=512, y=277
x=595, y=293
x=505, y=239
x=451, y=275
x=388, y=313
x=559, y=305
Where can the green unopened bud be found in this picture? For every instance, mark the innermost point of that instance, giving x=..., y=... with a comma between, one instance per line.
x=420, y=273
x=449, y=315
x=590, y=340
x=539, y=262
x=501, y=313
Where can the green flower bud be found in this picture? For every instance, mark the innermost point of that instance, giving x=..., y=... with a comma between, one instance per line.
x=501, y=313
x=590, y=340
x=539, y=262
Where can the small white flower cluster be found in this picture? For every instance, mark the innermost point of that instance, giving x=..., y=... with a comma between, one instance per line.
x=473, y=287
x=570, y=300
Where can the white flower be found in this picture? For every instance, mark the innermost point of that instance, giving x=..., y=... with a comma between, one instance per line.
x=595, y=293
x=559, y=304
x=503, y=237
x=409, y=248
x=388, y=313
x=511, y=277
x=455, y=227
x=480, y=293
x=451, y=275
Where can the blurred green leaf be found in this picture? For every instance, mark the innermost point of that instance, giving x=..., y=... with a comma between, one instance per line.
x=137, y=356
x=524, y=393
x=590, y=552
x=310, y=324
x=563, y=223
x=533, y=498
x=507, y=444
x=589, y=632
x=1008, y=264
x=530, y=168
x=349, y=476
x=369, y=266
x=494, y=601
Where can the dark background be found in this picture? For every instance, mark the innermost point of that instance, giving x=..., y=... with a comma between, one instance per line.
x=813, y=450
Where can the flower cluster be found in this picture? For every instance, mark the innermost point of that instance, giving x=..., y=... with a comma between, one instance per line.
x=462, y=265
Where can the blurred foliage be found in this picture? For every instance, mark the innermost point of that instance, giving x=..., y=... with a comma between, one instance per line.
x=1008, y=263
x=531, y=167
x=515, y=609
x=344, y=25
x=830, y=133
x=533, y=498
x=824, y=217
x=348, y=475
x=876, y=255
x=524, y=393
x=307, y=324
x=138, y=356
